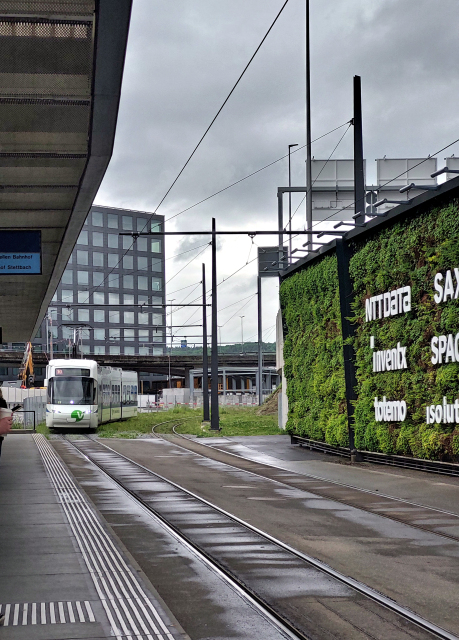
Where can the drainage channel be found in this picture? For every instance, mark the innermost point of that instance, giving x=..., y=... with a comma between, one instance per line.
x=307, y=596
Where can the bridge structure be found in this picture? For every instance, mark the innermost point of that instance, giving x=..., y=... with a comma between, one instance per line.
x=179, y=365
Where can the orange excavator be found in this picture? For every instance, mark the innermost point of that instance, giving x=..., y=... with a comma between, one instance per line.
x=26, y=375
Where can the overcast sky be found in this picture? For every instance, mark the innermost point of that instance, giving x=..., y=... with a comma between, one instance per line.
x=184, y=56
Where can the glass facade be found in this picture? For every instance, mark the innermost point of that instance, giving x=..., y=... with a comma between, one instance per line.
x=108, y=269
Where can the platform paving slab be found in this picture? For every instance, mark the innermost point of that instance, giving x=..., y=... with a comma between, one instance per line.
x=39, y=559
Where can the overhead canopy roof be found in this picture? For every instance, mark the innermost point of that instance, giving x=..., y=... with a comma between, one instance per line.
x=61, y=67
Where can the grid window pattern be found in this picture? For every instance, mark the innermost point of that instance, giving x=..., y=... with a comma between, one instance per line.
x=113, y=260
x=128, y=282
x=83, y=238
x=83, y=315
x=127, y=223
x=112, y=241
x=97, y=219
x=97, y=259
x=83, y=277
x=98, y=278
x=67, y=277
x=82, y=258
x=113, y=280
x=98, y=239
x=128, y=262
x=112, y=221
x=104, y=276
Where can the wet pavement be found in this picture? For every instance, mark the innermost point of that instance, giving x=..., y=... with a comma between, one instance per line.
x=417, y=568
x=314, y=602
x=430, y=489
x=204, y=605
x=40, y=562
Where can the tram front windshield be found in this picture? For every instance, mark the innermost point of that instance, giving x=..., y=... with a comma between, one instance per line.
x=71, y=390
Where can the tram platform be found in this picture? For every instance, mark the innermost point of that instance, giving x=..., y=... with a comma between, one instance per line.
x=48, y=591
x=43, y=580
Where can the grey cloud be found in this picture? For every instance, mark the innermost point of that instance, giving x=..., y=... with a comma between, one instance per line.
x=183, y=57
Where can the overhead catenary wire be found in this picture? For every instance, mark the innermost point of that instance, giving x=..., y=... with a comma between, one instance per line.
x=209, y=127
x=318, y=175
x=250, y=175
x=240, y=309
x=188, y=263
x=110, y=273
x=222, y=107
x=171, y=293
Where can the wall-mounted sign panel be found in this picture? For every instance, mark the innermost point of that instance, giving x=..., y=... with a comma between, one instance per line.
x=20, y=253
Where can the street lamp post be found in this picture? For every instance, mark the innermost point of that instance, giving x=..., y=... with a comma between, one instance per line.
x=242, y=334
x=290, y=146
x=220, y=335
x=170, y=347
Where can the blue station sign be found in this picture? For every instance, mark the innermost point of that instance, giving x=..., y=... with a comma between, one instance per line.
x=20, y=252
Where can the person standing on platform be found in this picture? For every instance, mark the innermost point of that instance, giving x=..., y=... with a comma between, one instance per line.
x=5, y=423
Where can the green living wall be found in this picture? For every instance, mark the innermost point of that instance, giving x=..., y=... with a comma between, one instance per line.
x=409, y=253
x=313, y=353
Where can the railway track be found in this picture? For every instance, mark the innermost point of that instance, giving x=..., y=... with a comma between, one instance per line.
x=254, y=561
x=347, y=494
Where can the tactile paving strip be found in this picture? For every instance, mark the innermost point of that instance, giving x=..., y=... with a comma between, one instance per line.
x=29, y=613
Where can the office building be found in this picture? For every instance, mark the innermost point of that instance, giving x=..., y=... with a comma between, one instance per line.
x=106, y=291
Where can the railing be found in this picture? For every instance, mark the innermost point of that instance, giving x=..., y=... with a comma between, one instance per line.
x=23, y=422
x=243, y=400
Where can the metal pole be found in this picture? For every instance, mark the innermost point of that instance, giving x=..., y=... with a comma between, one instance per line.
x=280, y=225
x=242, y=334
x=346, y=293
x=170, y=347
x=205, y=368
x=290, y=204
x=359, y=177
x=51, y=354
x=260, y=345
x=308, y=127
x=214, y=416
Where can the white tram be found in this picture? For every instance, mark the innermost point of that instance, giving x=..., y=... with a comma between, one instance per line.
x=83, y=394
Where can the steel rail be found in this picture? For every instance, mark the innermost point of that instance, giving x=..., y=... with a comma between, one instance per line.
x=281, y=624
x=358, y=586
x=377, y=494
x=402, y=462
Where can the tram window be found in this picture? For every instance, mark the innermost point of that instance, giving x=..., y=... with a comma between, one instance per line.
x=71, y=390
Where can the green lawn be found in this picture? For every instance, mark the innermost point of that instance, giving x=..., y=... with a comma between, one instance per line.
x=233, y=422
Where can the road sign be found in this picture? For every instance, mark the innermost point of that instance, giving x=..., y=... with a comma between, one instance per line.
x=20, y=252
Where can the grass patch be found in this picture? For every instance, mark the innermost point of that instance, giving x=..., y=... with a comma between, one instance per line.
x=43, y=429
x=233, y=422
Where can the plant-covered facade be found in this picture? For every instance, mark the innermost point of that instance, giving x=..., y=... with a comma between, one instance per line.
x=406, y=355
